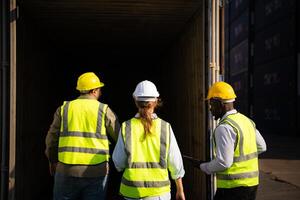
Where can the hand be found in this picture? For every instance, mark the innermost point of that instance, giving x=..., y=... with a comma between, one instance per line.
x=52, y=168
x=180, y=195
x=196, y=163
x=179, y=189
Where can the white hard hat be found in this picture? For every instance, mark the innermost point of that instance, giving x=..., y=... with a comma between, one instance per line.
x=145, y=91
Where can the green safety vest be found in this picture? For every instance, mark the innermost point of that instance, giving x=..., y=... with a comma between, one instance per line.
x=83, y=138
x=244, y=170
x=147, y=173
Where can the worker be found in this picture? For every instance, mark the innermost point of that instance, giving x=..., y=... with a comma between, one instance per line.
x=147, y=150
x=77, y=143
x=237, y=144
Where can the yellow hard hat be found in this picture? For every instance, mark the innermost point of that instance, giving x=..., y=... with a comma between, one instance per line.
x=222, y=91
x=88, y=81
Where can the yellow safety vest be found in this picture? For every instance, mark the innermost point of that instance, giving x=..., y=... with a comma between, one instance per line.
x=83, y=138
x=147, y=173
x=244, y=170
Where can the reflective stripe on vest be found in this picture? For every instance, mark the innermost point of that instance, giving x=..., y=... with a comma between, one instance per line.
x=83, y=138
x=244, y=170
x=147, y=173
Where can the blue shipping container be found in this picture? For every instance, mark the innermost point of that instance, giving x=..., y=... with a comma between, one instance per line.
x=279, y=75
x=239, y=58
x=239, y=29
x=269, y=11
x=277, y=40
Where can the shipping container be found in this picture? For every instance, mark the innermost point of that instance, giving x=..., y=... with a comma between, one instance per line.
x=226, y=14
x=124, y=42
x=275, y=98
x=262, y=68
x=237, y=7
x=275, y=115
x=227, y=40
x=276, y=79
x=240, y=84
x=238, y=68
x=275, y=41
x=239, y=58
x=267, y=12
x=239, y=29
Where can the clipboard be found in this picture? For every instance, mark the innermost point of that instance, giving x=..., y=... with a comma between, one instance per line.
x=195, y=162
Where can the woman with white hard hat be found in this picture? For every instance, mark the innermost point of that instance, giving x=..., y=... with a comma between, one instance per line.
x=147, y=151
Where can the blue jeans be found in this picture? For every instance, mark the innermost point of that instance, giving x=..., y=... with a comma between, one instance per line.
x=79, y=188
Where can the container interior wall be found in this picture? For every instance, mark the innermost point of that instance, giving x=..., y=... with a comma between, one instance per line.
x=298, y=65
x=37, y=93
x=185, y=89
x=47, y=75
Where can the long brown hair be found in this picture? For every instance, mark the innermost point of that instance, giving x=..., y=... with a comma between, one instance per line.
x=145, y=113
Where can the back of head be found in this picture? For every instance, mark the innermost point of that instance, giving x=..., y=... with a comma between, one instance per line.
x=88, y=81
x=221, y=90
x=145, y=95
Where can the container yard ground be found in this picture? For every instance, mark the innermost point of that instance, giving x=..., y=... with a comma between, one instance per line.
x=279, y=169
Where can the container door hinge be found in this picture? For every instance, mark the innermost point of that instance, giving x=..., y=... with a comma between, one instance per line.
x=14, y=14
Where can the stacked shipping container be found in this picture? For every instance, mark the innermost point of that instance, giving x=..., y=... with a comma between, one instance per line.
x=274, y=75
x=262, y=63
x=239, y=40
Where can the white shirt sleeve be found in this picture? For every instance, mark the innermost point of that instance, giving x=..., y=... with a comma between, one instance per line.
x=175, y=163
x=119, y=155
x=260, y=143
x=225, y=142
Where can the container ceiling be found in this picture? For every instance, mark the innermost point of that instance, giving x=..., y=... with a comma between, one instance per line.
x=147, y=24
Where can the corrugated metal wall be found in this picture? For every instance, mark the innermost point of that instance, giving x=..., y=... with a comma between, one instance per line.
x=37, y=83
x=184, y=84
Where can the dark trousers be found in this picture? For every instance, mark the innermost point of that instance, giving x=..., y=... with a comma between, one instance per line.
x=238, y=193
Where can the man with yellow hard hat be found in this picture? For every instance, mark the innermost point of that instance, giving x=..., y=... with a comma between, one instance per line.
x=237, y=144
x=77, y=143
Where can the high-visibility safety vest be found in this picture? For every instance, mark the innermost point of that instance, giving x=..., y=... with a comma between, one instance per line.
x=147, y=173
x=83, y=138
x=244, y=170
